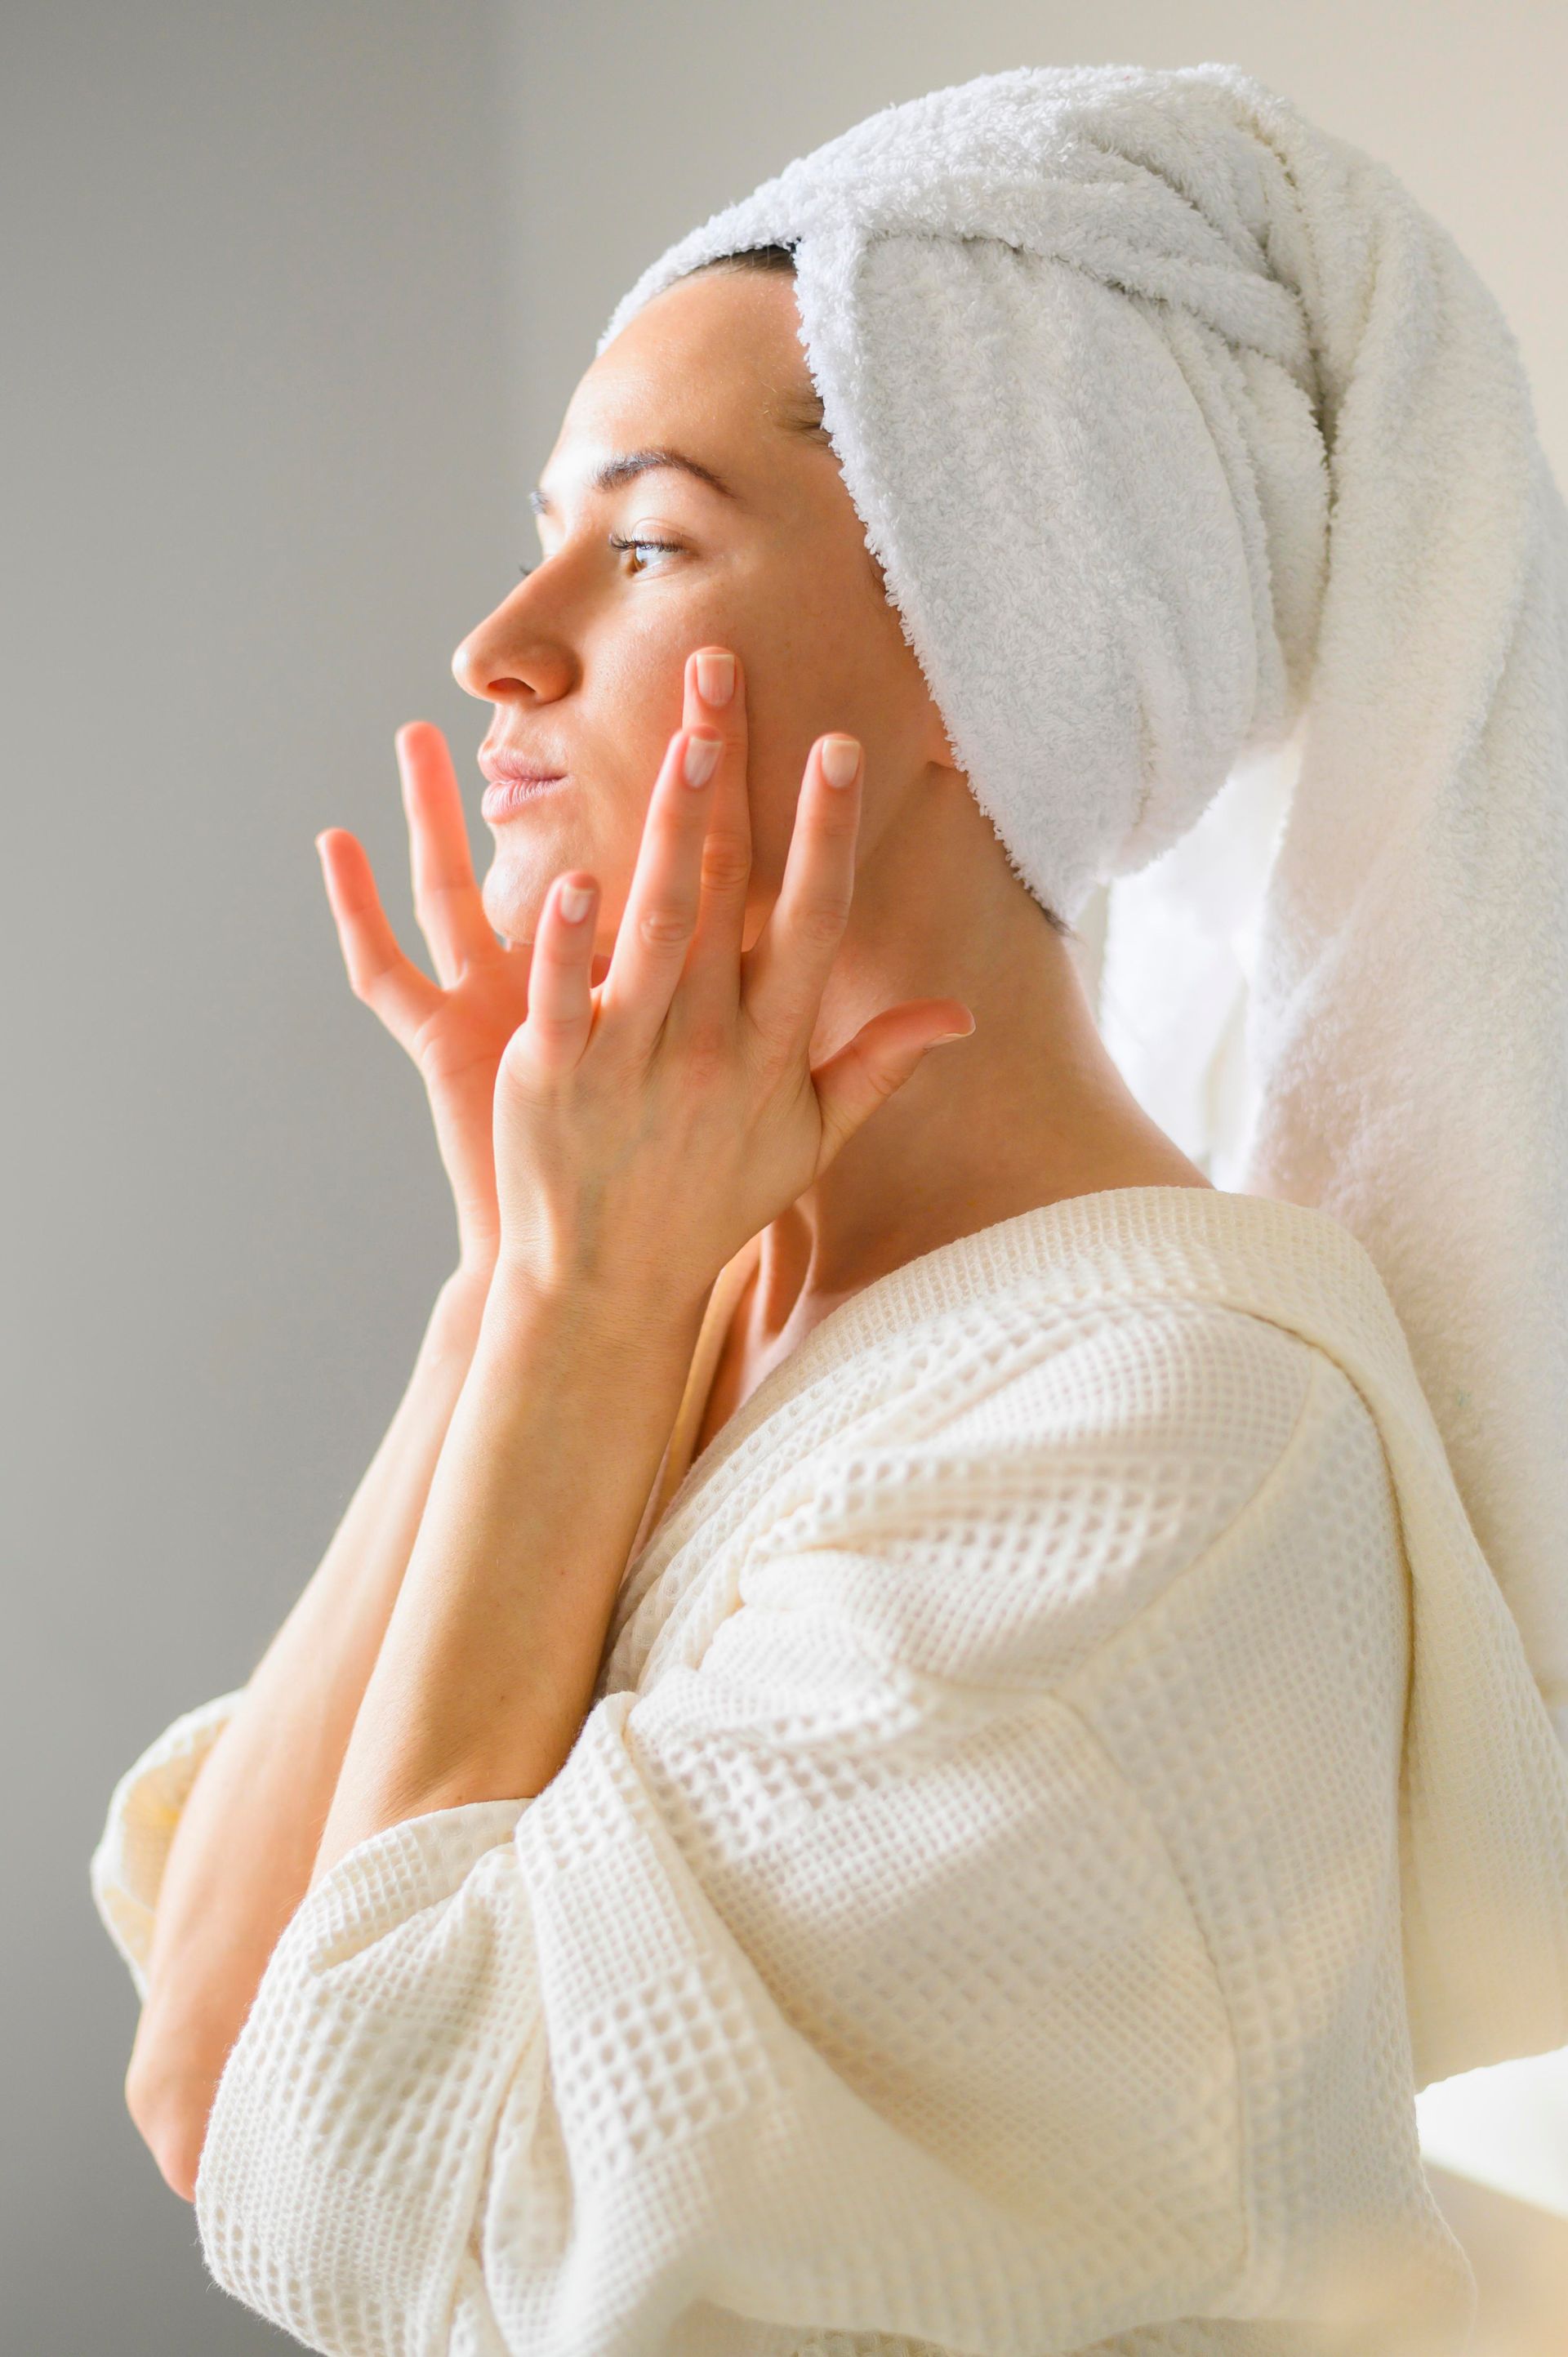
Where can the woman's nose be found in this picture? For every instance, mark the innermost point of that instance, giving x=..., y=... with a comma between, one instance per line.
x=505, y=661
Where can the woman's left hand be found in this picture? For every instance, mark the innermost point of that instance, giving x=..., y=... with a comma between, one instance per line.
x=647, y=1127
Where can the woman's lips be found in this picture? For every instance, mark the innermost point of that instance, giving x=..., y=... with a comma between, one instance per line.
x=505, y=797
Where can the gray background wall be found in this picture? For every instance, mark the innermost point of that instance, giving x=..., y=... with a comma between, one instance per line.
x=294, y=297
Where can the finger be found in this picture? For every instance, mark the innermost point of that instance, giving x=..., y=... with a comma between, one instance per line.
x=660, y=916
x=560, y=989
x=716, y=701
x=390, y=983
x=446, y=902
x=787, y=967
x=883, y=1054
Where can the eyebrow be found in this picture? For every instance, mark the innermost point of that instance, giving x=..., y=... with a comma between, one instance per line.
x=626, y=464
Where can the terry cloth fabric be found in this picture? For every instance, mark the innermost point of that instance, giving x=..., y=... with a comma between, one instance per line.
x=1192, y=447
x=1062, y=1776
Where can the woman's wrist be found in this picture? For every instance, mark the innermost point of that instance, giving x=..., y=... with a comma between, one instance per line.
x=460, y=1310
x=637, y=1304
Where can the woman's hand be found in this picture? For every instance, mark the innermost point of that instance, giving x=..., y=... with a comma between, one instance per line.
x=648, y=1124
x=457, y=1028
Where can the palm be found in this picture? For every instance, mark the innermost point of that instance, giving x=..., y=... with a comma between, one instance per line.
x=461, y=1039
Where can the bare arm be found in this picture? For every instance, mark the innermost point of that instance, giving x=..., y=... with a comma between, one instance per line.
x=241, y=1858
x=487, y=1666
x=242, y=1854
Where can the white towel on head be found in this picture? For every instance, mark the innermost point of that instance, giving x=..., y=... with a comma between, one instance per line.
x=1185, y=436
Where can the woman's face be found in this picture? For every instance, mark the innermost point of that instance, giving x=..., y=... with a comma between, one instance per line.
x=584, y=661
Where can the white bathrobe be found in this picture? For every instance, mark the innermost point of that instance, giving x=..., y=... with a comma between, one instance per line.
x=1062, y=1776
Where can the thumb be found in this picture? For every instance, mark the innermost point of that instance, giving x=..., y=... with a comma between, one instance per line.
x=883, y=1054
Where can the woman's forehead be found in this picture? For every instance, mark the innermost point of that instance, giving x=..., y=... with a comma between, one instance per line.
x=716, y=355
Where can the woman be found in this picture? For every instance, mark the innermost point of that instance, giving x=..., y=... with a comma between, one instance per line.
x=889, y=1751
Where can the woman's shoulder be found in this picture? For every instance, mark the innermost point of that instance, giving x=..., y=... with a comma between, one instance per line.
x=1040, y=1473
x=997, y=1457
x=1028, y=1371
x=1140, y=1368
x=1148, y=1313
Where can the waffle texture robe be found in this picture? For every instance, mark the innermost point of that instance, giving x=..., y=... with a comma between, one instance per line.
x=1062, y=1776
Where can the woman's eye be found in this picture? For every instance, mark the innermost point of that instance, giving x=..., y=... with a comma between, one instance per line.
x=669, y=547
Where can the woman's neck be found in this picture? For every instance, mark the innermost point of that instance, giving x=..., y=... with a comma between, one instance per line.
x=1028, y=1110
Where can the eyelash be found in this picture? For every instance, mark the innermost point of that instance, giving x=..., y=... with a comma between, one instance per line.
x=671, y=547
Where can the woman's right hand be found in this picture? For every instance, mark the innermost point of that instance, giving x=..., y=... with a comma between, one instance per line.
x=455, y=1027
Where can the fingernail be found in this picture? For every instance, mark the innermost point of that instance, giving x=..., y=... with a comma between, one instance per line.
x=841, y=759
x=574, y=900
x=942, y=1037
x=716, y=676
x=700, y=758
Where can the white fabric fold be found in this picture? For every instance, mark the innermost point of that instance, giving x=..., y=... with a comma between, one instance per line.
x=1184, y=436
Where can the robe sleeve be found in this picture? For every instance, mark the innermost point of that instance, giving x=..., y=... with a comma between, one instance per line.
x=126, y=1870
x=884, y=2013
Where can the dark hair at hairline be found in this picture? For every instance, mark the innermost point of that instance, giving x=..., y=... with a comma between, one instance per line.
x=806, y=418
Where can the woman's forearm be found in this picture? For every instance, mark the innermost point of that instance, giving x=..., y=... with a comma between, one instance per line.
x=488, y=1664
x=242, y=1854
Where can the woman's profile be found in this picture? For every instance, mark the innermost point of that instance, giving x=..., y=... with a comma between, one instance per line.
x=925, y=1723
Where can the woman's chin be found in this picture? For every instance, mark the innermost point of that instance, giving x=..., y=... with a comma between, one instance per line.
x=512, y=894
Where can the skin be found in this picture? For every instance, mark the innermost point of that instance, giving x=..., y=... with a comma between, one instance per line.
x=735, y=1040
x=585, y=664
